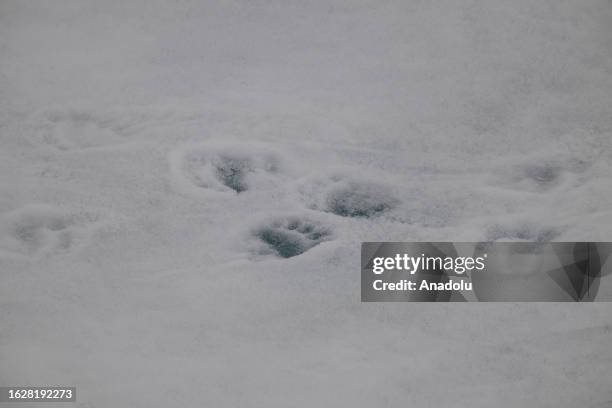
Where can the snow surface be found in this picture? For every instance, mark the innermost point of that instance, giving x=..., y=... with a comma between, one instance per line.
x=159, y=160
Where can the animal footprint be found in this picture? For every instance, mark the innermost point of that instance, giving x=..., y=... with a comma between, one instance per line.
x=232, y=172
x=36, y=229
x=348, y=197
x=291, y=236
x=540, y=175
x=80, y=130
x=521, y=232
x=224, y=168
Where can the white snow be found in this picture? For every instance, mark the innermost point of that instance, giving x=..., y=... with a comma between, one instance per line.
x=131, y=267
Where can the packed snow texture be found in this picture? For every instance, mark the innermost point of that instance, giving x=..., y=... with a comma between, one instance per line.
x=184, y=187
